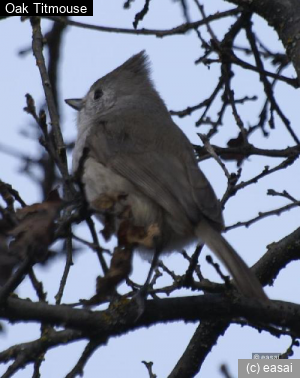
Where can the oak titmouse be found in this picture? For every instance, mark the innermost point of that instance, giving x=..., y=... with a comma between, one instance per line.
x=141, y=168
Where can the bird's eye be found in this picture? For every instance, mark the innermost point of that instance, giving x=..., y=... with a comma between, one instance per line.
x=97, y=94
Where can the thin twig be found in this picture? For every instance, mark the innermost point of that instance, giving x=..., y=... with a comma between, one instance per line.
x=69, y=263
x=262, y=215
x=211, y=151
x=284, y=194
x=38, y=286
x=267, y=85
x=15, y=280
x=188, y=277
x=140, y=15
x=149, y=366
x=99, y=249
x=181, y=29
x=267, y=171
x=224, y=371
x=6, y=191
x=90, y=348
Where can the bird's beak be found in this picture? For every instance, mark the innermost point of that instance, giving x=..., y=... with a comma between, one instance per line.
x=75, y=103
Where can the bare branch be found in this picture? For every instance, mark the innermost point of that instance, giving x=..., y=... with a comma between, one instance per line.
x=200, y=345
x=262, y=215
x=91, y=347
x=60, y=148
x=111, y=323
x=149, y=366
x=69, y=263
x=158, y=33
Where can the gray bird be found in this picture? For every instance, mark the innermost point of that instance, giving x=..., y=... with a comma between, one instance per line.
x=139, y=166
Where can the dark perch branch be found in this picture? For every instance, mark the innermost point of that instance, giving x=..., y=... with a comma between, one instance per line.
x=188, y=309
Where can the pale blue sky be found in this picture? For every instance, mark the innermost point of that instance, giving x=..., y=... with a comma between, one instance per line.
x=88, y=55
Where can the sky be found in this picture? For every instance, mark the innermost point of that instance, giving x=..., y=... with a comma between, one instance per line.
x=88, y=55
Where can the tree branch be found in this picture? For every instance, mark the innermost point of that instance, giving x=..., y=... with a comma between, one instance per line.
x=188, y=309
x=203, y=340
x=60, y=148
x=181, y=29
x=284, y=16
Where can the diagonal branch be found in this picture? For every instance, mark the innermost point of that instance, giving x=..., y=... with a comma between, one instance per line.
x=203, y=340
x=26, y=353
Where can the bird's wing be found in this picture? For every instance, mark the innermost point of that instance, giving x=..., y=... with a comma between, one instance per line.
x=169, y=179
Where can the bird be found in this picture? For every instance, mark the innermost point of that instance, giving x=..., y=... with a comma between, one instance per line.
x=139, y=169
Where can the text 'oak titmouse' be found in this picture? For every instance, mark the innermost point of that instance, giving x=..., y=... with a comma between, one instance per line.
x=140, y=161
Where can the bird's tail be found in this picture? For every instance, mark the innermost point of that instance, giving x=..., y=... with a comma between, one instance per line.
x=245, y=280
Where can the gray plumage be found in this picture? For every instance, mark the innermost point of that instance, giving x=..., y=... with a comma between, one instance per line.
x=136, y=150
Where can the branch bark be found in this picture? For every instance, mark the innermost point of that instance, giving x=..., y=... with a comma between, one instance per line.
x=202, y=342
x=116, y=322
x=284, y=16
